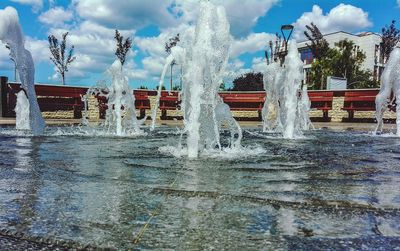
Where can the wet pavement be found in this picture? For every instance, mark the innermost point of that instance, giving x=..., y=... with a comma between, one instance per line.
x=332, y=190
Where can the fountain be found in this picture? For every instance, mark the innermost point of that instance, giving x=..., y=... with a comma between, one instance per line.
x=285, y=111
x=69, y=190
x=390, y=83
x=121, y=112
x=120, y=117
x=204, y=65
x=303, y=111
x=22, y=112
x=169, y=60
x=11, y=34
x=272, y=80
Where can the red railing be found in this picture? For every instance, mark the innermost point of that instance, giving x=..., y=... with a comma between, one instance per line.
x=64, y=98
x=53, y=98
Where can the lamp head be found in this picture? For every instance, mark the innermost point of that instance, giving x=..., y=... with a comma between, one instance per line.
x=288, y=28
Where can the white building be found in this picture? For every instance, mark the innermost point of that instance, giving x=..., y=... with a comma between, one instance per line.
x=368, y=42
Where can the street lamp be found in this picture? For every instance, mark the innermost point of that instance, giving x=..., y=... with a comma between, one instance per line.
x=12, y=58
x=286, y=28
x=15, y=69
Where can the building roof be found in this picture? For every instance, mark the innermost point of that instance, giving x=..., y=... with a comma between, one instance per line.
x=362, y=34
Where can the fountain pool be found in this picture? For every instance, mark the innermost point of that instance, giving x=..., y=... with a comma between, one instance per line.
x=331, y=190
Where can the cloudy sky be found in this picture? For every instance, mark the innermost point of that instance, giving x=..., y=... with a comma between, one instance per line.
x=91, y=25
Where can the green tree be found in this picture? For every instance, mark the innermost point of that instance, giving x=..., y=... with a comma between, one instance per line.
x=176, y=88
x=349, y=61
x=322, y=54
x=60, y=60
x=363, y=80
x=222, y=87
x=390, y=38
x=318, y=46
x=345, y=61
x=123, y=47
x=249, y=82
x=322, y=68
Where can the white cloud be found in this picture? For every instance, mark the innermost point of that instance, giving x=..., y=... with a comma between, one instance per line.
x=5, y=62
x=126, y=14
x=250, y=44
x=39, y=49
x=242, y=15
x=342, y=17
x=36, y=4
x=94, y=45
x=165, y=13
x=56, y=16
x=92, y=23
x=234, y=69
x=258, y=64
x=154, y=65
x=134, y=73
x=154, y=48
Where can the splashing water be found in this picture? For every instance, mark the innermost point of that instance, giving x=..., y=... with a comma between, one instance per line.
x=99, y=90
x=22, y=112
x=304, y=107
x=11, y=34
x=169, y=60
x=204, y=64
x=121, y=112
x=291, y=86
x=390, y=83
x=284, y=112
x=270, y=113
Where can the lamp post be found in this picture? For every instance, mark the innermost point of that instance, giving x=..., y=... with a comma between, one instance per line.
x=15, y=69
x=286, y=28
x=12, y=58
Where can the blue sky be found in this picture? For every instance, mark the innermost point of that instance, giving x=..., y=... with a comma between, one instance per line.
x=91, y=24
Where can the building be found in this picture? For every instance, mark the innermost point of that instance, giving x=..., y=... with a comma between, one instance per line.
x=368, y=42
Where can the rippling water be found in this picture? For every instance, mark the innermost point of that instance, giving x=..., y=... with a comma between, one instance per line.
x=332, y=190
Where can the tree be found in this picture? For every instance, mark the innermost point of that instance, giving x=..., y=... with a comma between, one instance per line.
x=222, y=87
x=273, y=54
x=363, y=80
x=58, y=54
x=321, y=69
x=172, y=42
x=345, y=61
x=249, y=82
x=123, y=47
x=319, y=46
x=390, y=38
x=321, y=53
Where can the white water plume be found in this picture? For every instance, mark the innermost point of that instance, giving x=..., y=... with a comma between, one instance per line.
x=203, y=63
x=11, y=34
x=22, y=112
x=168, y=62
x=120, y=118
x=286, y=109
x=390, y=84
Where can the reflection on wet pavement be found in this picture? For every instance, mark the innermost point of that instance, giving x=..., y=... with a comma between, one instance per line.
x=333, y=190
